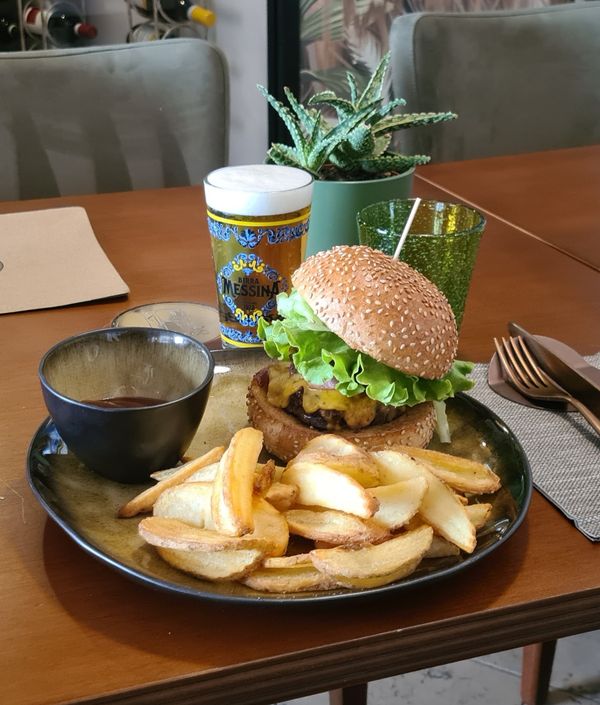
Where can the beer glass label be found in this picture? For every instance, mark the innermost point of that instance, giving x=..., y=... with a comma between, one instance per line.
x=249, y=235
x=244, y=283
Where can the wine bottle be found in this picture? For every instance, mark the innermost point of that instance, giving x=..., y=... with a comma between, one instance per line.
x=9, y=34
x=177, y=11
x=64, y=24
x=144, y=32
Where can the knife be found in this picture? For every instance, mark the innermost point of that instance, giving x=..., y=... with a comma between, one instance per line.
x=575, y=382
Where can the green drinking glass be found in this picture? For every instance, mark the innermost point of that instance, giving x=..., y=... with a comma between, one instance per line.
x=441, y=244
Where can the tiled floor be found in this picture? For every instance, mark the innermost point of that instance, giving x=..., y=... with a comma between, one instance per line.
x=491, y=680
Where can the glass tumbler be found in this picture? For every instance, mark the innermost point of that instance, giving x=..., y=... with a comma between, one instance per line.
x=442, y=242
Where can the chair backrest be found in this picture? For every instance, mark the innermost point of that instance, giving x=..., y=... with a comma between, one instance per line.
x=114, y=118
x=520, y=80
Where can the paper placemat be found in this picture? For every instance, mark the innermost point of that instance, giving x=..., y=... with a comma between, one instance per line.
x=51, y=258
x=563, y=451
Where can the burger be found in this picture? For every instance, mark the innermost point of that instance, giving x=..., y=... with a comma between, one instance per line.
x=364, y=348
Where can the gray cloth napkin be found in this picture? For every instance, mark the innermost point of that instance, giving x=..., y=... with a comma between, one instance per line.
x=563, y=451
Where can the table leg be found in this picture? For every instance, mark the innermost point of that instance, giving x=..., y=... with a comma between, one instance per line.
x=353, y=695
x=537, y=669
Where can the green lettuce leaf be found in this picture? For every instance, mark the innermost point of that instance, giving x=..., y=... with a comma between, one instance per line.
x=320, y=355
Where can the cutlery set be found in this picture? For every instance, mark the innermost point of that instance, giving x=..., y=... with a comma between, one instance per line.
x=538, y=374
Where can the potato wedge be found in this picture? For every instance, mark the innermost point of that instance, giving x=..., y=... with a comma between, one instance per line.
x=293, y=578
x=441, y=548
x=440, y=507
x=442, y=510
x=217, y=565
x=271, y=525
x=167, y=472
x=373, y=566
x=321, y=486
x=460, y=473
x=336, y=446
x=145, y=500
x=263, y=477
x=270, y=535
x=479, y=514
x=279, y=470
x=396, y=467
x=234, y=482
x=415, y=523
x=172, y=533
x=282, y=496
x=189, y=502
x=325, y=544
x=334, y=527
x=206, y=474
x=342, y=455
x=398, y=502
x=287, y=561
x=352, y=467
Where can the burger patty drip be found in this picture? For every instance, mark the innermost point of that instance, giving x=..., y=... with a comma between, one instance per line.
x=335, y=420
x=322, y=420
x=322, y=407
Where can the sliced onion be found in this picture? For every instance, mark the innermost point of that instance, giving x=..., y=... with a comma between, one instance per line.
x=442, y=427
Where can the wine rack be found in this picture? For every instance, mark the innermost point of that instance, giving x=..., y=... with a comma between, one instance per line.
x=44, y=24
x=27, y=25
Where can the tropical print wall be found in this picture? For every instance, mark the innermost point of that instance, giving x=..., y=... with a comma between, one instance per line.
x=337, y=36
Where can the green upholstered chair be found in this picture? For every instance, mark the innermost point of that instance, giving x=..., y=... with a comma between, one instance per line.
x=111, y=118
x=520, y=80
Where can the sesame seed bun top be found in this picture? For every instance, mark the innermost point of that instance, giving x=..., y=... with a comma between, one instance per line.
x=381, y=307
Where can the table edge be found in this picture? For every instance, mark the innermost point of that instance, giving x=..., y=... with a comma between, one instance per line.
x=491, y=214
x=401, y=651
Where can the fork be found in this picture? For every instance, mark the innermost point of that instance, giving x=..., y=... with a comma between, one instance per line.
x=528, y=378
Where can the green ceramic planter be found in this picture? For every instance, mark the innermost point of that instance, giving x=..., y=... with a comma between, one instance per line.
x=336, y=203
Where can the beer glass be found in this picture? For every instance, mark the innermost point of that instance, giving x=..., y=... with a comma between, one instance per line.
x=258, y=223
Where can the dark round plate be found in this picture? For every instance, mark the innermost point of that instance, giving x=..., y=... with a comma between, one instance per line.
x=85, y=504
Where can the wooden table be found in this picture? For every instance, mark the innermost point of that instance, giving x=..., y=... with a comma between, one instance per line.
x=552, y=196
x=73, y=630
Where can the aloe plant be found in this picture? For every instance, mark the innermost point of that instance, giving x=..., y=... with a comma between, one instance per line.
x=357, y=144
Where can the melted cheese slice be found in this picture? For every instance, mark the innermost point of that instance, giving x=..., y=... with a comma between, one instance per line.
x=358, y=411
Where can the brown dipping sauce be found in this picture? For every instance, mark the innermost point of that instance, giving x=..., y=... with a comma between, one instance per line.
x=124, y=402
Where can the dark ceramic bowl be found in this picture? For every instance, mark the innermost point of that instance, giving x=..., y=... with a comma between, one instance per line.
x=158, y=379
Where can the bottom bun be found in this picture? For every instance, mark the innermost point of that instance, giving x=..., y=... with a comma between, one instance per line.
x=285, y=435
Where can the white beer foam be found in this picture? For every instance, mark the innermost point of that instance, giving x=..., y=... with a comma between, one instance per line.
x=258, y=189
